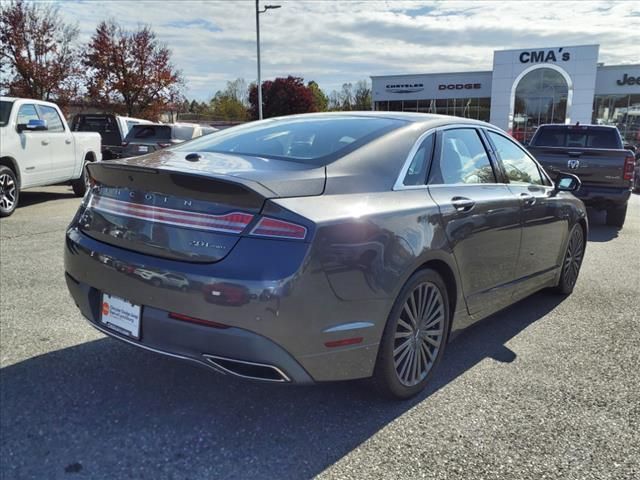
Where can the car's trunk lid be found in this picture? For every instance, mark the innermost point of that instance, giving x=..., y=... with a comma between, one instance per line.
x=166, y=206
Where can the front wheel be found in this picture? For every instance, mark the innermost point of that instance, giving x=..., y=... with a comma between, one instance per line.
x=9, y=191
x=572, y=261
x=616, y=216
x=415, y=336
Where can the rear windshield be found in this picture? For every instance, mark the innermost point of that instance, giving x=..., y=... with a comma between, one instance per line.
x=98, y=123
x=577, y=137
x=5, y=111
x=149, y=132
x=182, y=132
x=315, y=141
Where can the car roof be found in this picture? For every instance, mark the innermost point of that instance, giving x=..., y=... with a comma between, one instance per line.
x=411, y=117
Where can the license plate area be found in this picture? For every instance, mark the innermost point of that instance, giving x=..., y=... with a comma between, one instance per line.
x=120, y=315
x=143, y=148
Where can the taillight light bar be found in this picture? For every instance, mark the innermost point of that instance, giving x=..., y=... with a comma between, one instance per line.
x=629, y=166
x=275, y=228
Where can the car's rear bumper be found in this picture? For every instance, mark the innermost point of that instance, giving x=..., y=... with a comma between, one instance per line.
x=221, y=349
x=279, y=313
x=602, y=197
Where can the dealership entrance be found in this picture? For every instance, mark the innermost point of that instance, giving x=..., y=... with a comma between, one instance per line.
x=540, y=97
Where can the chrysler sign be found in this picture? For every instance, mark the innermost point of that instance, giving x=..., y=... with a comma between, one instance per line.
x=404, y=87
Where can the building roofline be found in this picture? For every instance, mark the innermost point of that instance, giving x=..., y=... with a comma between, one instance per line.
x=622, y=65
x=432, y=73
x=551, y=46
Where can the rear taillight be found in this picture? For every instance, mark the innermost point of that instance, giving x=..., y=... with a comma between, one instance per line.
x=629, y=166
x=272, y=227
x=124, y=144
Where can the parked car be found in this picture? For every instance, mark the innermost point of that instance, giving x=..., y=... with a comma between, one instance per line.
x=144, y=139
x=112, y=129
x=328, y=246
x=596, y=154
x=208, y=130
x=37, y=148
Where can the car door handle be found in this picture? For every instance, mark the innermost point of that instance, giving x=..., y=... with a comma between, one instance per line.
x=528, y=199
x=462, y=204
x=67, y=141
x=45, y=142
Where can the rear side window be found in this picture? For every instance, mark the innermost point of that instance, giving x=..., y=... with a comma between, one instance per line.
x=312, y=140
x=517, y=164
x=149, y=132
x=183, y=133
x=577, y=137
x=51, y=116
x=462, y=159
x=417, y=172
x=27, y=112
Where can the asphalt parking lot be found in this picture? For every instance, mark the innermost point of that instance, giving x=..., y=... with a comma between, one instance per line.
x=546, y=389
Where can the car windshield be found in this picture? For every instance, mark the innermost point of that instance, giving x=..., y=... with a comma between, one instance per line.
x=310, y=140
x=5, y=111
x=577, y=137
x=149, y=132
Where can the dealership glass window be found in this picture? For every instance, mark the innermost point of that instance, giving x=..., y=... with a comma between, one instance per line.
x=476, y=108
x=623, y=111
x=541, y=97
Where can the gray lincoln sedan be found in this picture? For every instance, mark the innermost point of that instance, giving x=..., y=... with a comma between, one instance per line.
x=321, y=247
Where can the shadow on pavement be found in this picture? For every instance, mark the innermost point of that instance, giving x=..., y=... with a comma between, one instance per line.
x=29, y=197
x=599, y=231
x=106, y=410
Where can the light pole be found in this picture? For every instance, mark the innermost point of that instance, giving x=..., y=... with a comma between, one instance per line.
x=258, y=12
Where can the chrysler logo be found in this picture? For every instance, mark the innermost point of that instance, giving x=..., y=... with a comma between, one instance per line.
x=404, y=87
x=573, y=164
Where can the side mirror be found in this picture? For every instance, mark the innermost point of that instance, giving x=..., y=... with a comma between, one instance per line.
x=567, y=182
x=33, y=126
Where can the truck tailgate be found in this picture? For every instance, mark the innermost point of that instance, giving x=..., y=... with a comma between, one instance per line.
x=595, y=167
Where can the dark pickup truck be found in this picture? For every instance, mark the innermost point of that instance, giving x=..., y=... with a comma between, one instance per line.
x=594, y=153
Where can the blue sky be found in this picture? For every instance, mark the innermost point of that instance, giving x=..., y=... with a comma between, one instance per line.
x=333, y=42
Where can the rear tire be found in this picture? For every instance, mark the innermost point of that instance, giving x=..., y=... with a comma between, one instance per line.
x=414, y=338
x=9, y=191
x=572, y=261
x=616, y=216
x=80, y=185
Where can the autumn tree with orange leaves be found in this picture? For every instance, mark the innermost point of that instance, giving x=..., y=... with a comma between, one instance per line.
x=132, y=69
x=38, y=57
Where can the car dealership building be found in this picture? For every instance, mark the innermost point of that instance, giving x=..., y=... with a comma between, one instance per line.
x=526, y=88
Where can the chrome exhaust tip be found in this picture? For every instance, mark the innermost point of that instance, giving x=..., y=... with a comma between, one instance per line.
x=248, y=370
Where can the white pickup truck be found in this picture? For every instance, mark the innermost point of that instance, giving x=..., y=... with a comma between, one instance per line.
x=38, y=148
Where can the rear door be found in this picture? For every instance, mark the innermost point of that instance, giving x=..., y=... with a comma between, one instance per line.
x=61, y=145
x=544, y=221
x=480, y=214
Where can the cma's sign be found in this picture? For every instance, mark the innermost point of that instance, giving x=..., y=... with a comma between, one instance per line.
x=628, y=80
x=404, y=87
x=544, y=56
x=459, y=86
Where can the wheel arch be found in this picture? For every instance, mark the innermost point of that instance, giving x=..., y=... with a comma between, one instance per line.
x=448, y=275
x=13, y=165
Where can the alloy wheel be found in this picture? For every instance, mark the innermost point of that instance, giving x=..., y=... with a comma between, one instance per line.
x=573, y=257
x=7, y=192
x=419, y=334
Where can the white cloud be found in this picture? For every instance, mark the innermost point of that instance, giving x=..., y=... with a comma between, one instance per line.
x=334, y=42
